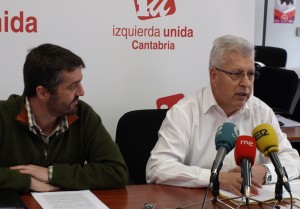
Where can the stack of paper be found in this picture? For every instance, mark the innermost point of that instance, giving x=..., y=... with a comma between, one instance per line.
x=287, y=122
x=267, y=193
x=68, y=200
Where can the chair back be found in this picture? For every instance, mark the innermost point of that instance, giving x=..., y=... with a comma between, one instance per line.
x=277, y=88
x=296, y=113
x=271, y=56
x=137, y=134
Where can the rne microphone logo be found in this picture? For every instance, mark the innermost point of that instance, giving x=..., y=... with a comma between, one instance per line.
x=149, y=9
x=246, y=142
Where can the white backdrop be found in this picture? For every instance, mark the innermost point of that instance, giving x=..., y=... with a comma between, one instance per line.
x=117, y=77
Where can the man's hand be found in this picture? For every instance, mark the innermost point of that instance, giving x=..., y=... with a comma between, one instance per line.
x=258, y=175
x=232, y=180
x=39, y=177
x=39, y=186
x=37, y=172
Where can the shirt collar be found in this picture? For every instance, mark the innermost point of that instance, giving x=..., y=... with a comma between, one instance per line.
x=61, y=126
x=210, y=101
x=22, y=117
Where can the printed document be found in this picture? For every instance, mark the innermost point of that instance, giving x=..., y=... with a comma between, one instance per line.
x=287, y=122
x=267, y=193
x=68, y=200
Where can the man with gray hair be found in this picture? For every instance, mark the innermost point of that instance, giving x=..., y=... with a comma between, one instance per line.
x=185, y=151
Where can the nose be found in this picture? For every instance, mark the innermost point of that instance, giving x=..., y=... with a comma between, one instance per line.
x=80, y=90
x=245, y=80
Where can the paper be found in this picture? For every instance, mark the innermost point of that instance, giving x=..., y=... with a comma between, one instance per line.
x=68, y=200
x=267, y=193
x=287, y=122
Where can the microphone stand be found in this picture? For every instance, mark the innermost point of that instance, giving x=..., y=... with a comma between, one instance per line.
x=278, y=190
x=215, y=189
x=279, y=186
x=244, y=195
x=216, y=192
x=278, y=195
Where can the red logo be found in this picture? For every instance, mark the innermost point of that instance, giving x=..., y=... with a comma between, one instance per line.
x=148, y=9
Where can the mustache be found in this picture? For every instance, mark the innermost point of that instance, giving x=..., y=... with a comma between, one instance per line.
x=76, y=99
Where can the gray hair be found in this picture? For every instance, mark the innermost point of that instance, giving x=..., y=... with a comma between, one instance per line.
x=229, y=43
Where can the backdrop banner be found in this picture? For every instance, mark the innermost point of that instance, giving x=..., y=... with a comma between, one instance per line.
x=135, y=51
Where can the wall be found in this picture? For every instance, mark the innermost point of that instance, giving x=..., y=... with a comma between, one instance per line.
x=119, y=78
x=279, y=35
x=259, y=22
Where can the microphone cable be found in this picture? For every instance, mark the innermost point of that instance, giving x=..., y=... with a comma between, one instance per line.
x=292, y=201
x=248, y=203
x=206, y=193
x=197, y=203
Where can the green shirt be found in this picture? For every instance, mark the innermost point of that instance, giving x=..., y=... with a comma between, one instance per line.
x=83, y=157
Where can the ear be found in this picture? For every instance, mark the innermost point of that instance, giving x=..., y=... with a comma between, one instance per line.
x=42, y=93
x=212, y=75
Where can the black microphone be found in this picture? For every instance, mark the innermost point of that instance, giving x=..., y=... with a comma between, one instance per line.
x=225, y=141
x=245, y=153
x=267, y=142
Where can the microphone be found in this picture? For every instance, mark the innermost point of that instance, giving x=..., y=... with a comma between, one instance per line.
x=224, y=140
x=267, y=142
x=245, y=153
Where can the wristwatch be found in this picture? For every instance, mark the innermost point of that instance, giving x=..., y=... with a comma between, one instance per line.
x=268, y=176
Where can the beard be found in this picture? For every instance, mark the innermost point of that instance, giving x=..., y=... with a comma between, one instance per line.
x=62, y=108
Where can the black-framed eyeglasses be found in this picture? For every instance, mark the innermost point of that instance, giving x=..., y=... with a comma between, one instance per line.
x=238, y=74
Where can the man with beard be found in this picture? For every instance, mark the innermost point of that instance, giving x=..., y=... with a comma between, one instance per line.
x=49, y=139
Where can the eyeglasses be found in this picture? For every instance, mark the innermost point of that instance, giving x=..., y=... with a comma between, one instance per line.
x=238, y=74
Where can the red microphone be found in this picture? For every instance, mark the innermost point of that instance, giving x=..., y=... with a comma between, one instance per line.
x=244, y=153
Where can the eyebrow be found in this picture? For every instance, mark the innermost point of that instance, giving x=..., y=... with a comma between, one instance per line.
x=74, y=83
x=250, y=70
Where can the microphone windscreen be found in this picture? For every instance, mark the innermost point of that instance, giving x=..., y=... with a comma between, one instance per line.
x=266, y=139
x=226, y=136
x=245, y=148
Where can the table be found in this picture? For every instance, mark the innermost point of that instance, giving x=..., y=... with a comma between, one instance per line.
x=165, y=197
x=168, y=197
x=293, y=133
x=134, y=196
